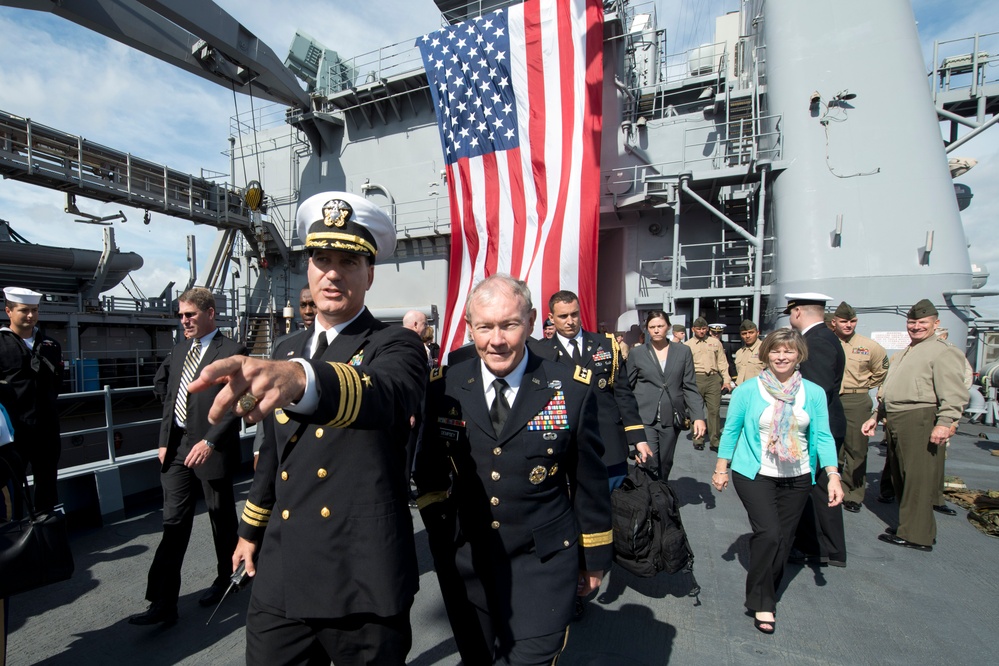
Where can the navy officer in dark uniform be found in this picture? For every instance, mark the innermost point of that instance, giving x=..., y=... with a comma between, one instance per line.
x=512, y=489
x=31, y=364
x=326, y=529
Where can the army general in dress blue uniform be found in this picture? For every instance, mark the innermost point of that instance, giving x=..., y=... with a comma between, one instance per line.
x=327, y=517
x=513, y=492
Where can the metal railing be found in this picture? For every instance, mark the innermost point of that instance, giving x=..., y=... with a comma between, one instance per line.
x=970, y=62
x=720, y=265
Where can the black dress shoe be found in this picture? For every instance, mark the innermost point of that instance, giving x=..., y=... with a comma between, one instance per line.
x=886, y=500
x=214, y=594
x=852, y=507
x=896, y=540
x=944, y=509
x=158, y=611
x=699, y=447
x=892, y=531
x=798, y=557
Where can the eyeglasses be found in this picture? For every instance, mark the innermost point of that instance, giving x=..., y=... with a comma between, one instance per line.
x=189, y=315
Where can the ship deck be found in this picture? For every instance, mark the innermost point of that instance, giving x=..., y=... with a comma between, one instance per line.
x=890, y=605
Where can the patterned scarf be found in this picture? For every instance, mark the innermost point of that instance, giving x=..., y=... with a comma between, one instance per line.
x=783, y=441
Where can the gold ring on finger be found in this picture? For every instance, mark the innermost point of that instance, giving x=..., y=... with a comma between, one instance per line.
x=247, y=402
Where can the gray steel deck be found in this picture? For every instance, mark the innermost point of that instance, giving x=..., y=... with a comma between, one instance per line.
x=889, y=606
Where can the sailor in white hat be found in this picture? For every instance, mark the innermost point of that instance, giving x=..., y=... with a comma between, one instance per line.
x=31, y=364
x=820, y=536
x=371, y=377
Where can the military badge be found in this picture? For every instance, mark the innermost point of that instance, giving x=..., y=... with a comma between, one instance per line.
x=357, y=359
x=555, y=384
x=538, y=474
x=336, y=212
x=602, y=383
x=582, y=375
x=549, y=435
x=280, y=416
x=553, y=417
x=554, y=469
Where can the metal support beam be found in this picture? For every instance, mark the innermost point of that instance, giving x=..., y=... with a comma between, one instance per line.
x=973, y=133
x=684, y=185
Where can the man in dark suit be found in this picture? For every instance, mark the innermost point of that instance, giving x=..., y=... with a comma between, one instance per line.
x=193, y=452
x=599, y=358
x=512, y=489
x=326, y=530
x=661, y=374
x=820, y=537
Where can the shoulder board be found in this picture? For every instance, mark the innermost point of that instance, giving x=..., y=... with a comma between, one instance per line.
x=436, y=373
x=582, y=375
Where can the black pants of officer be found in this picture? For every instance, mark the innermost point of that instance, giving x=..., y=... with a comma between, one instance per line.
x=820, y=531
x=662, y=440
x=40, y=446
x=774, y=506
x=355, y=640
x=180, y=495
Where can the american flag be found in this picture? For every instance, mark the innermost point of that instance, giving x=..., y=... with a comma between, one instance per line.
x=518, y=101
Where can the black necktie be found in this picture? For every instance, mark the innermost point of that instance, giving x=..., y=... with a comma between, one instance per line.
x=577, y=358
x=323, y=343
x=500, y=408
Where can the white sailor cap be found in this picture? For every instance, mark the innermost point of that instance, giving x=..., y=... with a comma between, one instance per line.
x=21, y=295
x=345, y=222
x=716, y=327
x=806, y=298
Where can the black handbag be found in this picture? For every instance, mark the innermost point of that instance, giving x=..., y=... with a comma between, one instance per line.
x=34, y=551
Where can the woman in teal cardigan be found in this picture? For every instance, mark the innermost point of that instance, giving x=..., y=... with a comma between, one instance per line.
x=776, y=435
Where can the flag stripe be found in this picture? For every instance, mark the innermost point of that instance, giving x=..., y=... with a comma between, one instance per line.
x=518, y=96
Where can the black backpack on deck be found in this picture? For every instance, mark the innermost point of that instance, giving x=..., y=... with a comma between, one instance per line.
x=648, y=533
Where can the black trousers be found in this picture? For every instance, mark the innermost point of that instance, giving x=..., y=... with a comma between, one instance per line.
x=355, y=640
x=662, y=441
x=774, y=506
x=180, y=495
x=820, y=531
x=40, y=446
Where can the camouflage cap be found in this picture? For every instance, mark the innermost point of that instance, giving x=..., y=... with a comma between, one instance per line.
x=923, y=308
x=845, y=311
x=747, y=325
x=700, y=322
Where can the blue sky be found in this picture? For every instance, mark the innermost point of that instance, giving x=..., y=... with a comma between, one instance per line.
x=69, y=78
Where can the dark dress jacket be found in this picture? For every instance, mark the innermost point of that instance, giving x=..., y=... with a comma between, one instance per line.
x=329, y=502
x=660, y=392
x=224, y=434
x=617, y=411
x=825, y=365
x=34, y=379
x=528, y=508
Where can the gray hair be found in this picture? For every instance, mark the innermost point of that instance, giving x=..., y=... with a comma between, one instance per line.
x=496, y=285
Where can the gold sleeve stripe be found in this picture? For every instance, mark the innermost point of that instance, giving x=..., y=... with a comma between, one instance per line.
x=599, y=539
x=254, y=522
x=253, y=508
x=425, y=500
x=350, y=396
x=636, y=427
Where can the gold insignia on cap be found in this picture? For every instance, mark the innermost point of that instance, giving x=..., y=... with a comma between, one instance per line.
x=538, y=474
x=336, y=212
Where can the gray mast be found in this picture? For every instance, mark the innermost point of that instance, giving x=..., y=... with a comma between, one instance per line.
x=873, y=166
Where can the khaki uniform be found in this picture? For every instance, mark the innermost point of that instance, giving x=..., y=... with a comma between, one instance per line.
x=711, y=370
x=866, y=367
x=924, y=388
x=747, y=362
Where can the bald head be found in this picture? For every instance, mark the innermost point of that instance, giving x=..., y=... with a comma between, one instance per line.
x=415, y=320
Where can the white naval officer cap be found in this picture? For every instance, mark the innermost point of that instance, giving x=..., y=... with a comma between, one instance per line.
x=716, y=327
x=806, y=298
x=21, y=295
x=346, y=222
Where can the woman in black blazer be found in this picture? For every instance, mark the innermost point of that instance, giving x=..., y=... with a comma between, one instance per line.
x=662, y=377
